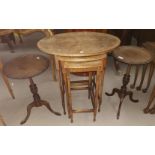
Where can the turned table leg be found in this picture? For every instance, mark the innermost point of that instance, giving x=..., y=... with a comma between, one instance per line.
x=152, y=96
x=136, y=76
x=123, y=92
x=152, y=67
x=143, y=76
x=117, y=66
x=8, y=85
x=37, y=101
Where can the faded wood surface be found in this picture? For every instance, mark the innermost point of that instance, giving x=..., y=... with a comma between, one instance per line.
x=79, y=44
x=132, y=55
x=151, y=47
x=26, y=66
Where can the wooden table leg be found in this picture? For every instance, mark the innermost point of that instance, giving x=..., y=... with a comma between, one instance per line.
x=12, y=37
x=152, y=96
x=117, y=66
x=97, y=103
x=6, y=81
x=2, y=121
x=152, y=67
x=122, y=92
x=37, y=101
x=136, y=76
x=101, y=85
x=20, y=37
x=143, y=76
x=61, y=85
x=53, y=65
x=8, y=85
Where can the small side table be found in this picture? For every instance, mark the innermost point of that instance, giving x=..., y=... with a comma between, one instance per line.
x=26, y=67
x=130, y=55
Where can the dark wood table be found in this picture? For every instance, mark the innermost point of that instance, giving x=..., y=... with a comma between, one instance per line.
x=130, y=55
x=26, y=67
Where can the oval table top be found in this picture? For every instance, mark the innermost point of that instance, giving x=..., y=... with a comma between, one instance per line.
x=77, y=44
x=132, y=55
x=27, y=66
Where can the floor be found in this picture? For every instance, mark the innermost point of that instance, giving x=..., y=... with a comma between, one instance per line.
x=13, y=111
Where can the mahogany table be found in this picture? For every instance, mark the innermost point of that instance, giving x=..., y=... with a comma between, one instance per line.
x=130, y=55
x=26, y=67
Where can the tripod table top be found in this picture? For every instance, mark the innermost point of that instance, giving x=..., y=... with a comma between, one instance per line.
x=26, y=66
x=132, y=55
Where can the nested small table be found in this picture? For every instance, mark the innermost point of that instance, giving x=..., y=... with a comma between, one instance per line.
x=130, y=55
x=78, y=47
x=26, y=67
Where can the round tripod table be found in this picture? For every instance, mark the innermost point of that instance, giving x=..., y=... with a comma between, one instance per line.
x=130, y=55
x=26, y=67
